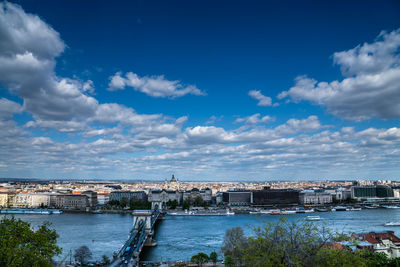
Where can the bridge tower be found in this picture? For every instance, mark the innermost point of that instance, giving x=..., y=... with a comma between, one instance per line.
x=146, y=217
x=157, y=205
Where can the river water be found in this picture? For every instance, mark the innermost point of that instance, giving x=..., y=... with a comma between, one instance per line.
x=180, y=237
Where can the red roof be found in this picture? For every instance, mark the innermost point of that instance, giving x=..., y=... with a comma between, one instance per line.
x=375, y=238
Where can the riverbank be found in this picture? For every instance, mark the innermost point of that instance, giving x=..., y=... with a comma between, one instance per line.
x=181, y=237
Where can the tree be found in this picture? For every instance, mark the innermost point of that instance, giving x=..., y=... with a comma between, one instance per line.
x=172, y=204
x=234, y=244
x=105, y=260
x=229, y=261
x=114, y=203
x=135, y=204
x=198, y=201
x=285, y=243
x=200, y=258
x=82, y=254
x=22, y=246
x=124, y=202
x=214, y=257
x=185, y=205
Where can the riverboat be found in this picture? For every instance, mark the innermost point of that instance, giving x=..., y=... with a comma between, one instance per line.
x=392, y=224
x=321, y=209
x=229, y=212
x=288, y=212
x=275, y=212
x=30, y=211
x=313, y=218
x=339, y=208
x=390, y=207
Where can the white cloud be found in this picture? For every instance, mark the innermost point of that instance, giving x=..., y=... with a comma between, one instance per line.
x=8, y=108
x=372, y=88
x=28, y=49
x=155, y=86
x=254, y=119
x=262, y=99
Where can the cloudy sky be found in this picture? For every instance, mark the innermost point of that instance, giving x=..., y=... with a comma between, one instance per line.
x=207, y=90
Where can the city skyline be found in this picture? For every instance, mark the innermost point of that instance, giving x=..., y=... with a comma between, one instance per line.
x=208, y=91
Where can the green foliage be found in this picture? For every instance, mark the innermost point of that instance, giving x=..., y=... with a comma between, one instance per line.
x=124, y=202
x=105, y=260
x=139, y=205
x=198, y=201
x=213, y=257
x=114, y=203
x=22, y=246
x=172, y=204
x=234, y=244
x=185, y=205
x=380, y=260
x=82, y=254
x=229, y=262
x=299, y=244
x=200, y=258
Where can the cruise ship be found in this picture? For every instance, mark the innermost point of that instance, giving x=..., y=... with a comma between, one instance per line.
x=30, y=211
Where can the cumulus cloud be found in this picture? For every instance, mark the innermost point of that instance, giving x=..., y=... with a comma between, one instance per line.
x=254, y=119
x=28, y=49
x=371, y=87
x=155, y=86
x=110, y=136
x=262, y=99
x=8, y=108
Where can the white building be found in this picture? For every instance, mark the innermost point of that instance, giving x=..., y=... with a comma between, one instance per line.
x=164, y=196
x=317, y=197
x=31, y=200
x=385, y=242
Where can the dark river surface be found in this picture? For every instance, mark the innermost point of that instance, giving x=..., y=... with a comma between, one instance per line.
x=180, y=237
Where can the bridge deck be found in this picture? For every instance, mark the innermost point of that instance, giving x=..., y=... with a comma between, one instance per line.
x=130, y=251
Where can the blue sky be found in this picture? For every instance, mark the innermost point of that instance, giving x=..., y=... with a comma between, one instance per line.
x=208, y=90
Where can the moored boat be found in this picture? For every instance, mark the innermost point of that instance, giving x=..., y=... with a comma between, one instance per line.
x=321, y=209
x=275, y=212
x=229, y=212
x=339, y=208
x=288, y=211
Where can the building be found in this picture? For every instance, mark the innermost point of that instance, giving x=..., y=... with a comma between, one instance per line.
x=315, y=197
x=269, y=196
x=385, y=242
x=205, y=195
x=379, y=191
x=237, y=197
x=31, y=200
x=103, y=198
x=3, y=199
x=69, y=201
x=92, y=198
x=164, y=196
x=173, y=184
x=128, y=195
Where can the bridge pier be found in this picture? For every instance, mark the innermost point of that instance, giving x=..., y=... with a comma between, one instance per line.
x=146, y=217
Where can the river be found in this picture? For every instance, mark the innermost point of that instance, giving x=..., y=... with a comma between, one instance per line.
x=180, y=237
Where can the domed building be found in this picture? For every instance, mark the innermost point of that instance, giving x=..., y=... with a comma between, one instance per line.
x=173, y=184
